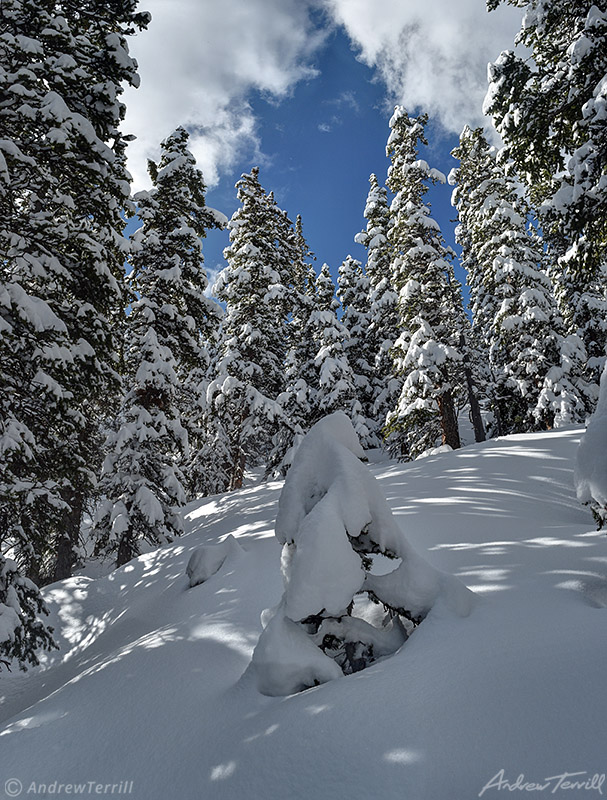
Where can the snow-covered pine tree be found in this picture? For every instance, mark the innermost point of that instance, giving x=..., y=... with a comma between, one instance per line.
x=353, y=292
x=250, y=369
x=168, y=326
x=549, y=110
x=22, y=631
x=297, y=398
x=427, y=353
x=590, y=473
x=471, y=389
x=514, y=310
x=337, y=615
x=64, y=188
x=175, y=219
x=334, y=381
x=383, y=329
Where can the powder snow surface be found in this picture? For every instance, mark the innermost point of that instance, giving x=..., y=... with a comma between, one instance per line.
x=151, y=683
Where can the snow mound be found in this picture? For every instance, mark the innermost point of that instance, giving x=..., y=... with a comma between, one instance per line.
x=332, y=521
x=209, y=559
x=435, y=451
x=590, y=474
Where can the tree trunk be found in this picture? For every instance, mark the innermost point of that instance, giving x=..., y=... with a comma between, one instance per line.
x=475, y=409
x=67, y=542
x=126, y=550
x=448, y=420
x=238, y=471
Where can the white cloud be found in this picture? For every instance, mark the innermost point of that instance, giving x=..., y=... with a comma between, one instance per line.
x=432, y=55
x=198, y=62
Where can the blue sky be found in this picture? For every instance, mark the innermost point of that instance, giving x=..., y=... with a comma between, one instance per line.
x=305, y=89
x=319, y=148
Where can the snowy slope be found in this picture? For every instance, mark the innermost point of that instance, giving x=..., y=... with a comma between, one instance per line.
x=151, y=684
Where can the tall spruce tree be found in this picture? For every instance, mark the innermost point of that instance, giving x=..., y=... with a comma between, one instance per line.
x=514, y=309
x=383, y=330
x=427, y=351
x=63, y=189
x=296, y=400
x=334, y=383
x=166, y=358
x=549, y=111
x=250, y=369
x=353, y=293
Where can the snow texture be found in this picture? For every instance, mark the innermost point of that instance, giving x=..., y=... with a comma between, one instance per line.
x=156, y=678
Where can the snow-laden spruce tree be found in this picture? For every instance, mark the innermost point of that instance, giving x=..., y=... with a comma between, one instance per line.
x=383, y=328
x=334, y=381
x=427, y=355
x=590, y=474
x=63, y=190
x=250, y=370
x=340, y=611
x=297, y=398
x=175, y=219
x=353, y=293
x=536, y=369
x=22, y=631
x=170, y=321
x=550, y=112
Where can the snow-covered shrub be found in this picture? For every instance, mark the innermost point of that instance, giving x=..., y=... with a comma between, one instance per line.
x=590, y=474
x=341, y=610
x=209, y=559
x=22, y=631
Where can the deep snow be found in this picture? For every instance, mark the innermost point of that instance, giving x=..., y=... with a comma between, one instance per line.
x=152, y=685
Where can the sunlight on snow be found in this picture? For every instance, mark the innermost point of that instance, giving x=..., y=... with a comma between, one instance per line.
x=224, y=634
x=317, y=709
x=268, y=732
x=222, y=771
x=29, y=723
x=402, y=756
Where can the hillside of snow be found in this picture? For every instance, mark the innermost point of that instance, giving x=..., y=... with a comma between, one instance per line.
x=152, y=682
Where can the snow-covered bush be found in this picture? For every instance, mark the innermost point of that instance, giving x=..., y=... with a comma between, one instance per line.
x=341, y=609
x=22, y=631
x=590, y=474
x=209, y=559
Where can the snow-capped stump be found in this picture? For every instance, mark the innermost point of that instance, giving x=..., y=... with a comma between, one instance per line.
x=340, y=610
x=590, y=474
x=209, y=559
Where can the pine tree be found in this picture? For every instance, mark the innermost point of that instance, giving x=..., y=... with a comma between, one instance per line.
x=353, y=293
x=514, y=309
x=250, y=370
x=426, y=352
x=549, y=111
x=22, y=633
x=63, y=192
x=335, y=388
x=169, y=323
x=175, y=220
x=297, y=398
x=383, y=329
